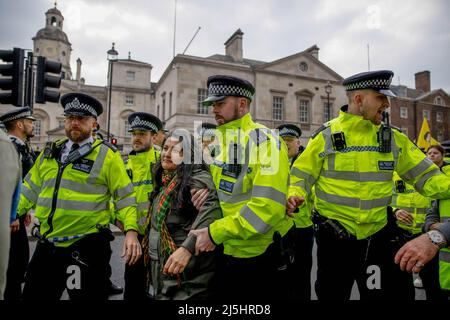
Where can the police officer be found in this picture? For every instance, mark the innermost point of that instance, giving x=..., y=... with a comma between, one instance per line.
x=206, y=132
x=141, y=160
x=301, y=239
x=350, y=160
x=291, y=136
x=19, y=125
x=70, y=187
x=250, y=174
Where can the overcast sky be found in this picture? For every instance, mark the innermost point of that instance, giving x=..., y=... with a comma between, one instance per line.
x=405, y=36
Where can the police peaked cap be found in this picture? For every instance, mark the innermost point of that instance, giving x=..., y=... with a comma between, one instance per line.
x=144, y=121
x=220, y=87
x=207, y=130
x=379, y=81
x=289, y=130
x=80, y=104
x=16, y=114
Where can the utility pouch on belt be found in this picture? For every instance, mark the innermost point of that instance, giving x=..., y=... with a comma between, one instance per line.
x=329, y=225
x=105, y=231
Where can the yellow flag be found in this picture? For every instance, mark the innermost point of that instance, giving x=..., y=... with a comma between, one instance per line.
x=425, y=140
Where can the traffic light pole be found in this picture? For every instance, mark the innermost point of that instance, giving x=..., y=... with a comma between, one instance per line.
x=29, y=84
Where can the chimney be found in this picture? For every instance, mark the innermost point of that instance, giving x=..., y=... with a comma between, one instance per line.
x=78, y=69
x=233, y=46
x=423, y=81
x=314, y=51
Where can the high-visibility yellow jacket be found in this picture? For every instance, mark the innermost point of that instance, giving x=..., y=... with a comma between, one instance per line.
x=302, y=218
x=444, y=254
x=252, y=194
x=411, y=201
x=354, y=185
x=139, y=167
x=71, y=200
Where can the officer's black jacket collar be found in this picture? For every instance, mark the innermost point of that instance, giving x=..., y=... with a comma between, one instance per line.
x=344, y=108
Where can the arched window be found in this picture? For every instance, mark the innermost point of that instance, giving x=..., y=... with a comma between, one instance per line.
x=439, y=101
x=53, y=23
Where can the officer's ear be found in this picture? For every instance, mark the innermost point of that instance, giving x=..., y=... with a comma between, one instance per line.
x=242, y=105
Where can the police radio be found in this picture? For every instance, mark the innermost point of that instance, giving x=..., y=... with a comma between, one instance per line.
x=385, y=135
x=338, y=140
x=400, y=186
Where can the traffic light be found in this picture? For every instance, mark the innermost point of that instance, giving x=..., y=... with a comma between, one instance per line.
x=114, y=141
x=44, y=80
x=12, y=76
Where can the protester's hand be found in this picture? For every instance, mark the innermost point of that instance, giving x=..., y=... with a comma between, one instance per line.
x=198, y=197
x=177, y=261
x=415, y=254
x=15, y=226
x=132, y=250
x=404, y=216
x=203, y=243
x=292, y=204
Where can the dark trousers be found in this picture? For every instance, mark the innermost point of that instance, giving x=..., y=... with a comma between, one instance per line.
x=298, y=283
x=19, y=254
x=256, y=278
x=136, y=280
x=430, y=280
x=369, y=261
x=53, y=269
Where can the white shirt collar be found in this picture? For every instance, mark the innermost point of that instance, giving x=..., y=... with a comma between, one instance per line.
x=70, y=142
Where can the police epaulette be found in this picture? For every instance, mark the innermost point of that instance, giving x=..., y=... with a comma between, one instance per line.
x=319, y=130
x=396, y=128
x=110, y=145
x=258, y=136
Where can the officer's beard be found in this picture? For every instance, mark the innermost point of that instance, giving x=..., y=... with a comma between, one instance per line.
x=78, y=135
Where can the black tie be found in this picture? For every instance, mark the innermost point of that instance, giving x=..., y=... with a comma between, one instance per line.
x=75, y=146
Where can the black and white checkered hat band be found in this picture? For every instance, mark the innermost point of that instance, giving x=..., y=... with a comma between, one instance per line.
x=228, y=90
x=288, y=132
x=75, y=105
x=370, y=84
x=139, y=123
x=17, y=116
x=208, y=132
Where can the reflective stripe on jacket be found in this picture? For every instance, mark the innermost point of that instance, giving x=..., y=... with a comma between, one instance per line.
x=252, y=194
x=72, y=201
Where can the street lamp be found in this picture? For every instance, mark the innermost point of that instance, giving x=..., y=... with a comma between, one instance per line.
x=328, y=89
x=112, y=55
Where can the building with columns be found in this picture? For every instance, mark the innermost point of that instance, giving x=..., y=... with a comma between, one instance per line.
x=290, y=89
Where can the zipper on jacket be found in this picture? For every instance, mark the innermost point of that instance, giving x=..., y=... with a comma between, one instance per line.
x=55, y=198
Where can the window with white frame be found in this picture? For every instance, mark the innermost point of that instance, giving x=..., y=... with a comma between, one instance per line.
x=127, y=127
x=129, y=100
x=304, y=110
x=405, y=131
x=440, y=135
x=426, y=114
x=404, y=112
x=131, y=75
x=202, y=94
x=439, y=101
x=37, y=127
x=327, y=111
x=277, y=108
x=170, y=104
x=439, y=116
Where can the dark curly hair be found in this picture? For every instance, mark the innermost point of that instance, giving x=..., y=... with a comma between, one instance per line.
x=191, y=162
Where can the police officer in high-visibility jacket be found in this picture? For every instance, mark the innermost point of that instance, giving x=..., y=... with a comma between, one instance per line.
x=350, y=160
x=141, y=161
x=70, y=187
x=250, y=173
x=426, y=247
x=298, y=283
